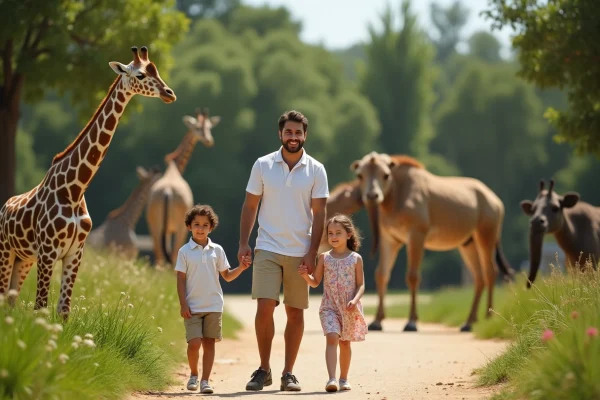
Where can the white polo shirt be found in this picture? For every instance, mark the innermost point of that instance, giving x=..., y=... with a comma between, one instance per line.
x=201, y=267
x=285, y=215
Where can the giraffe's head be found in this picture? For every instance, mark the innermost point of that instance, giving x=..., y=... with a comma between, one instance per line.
x=141, y=76
x=202, y=126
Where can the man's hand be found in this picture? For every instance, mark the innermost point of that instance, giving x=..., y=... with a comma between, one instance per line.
x=185, y=312
x=302, y=270
x=351, y=305
x=245, y=255
x=246, y=262
x=309, y=261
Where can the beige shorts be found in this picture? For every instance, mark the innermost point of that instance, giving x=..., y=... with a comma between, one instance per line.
x=204, y=325
x=270, y=270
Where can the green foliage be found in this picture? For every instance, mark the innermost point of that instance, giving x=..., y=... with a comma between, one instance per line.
x=449, y=22
x=398, y=80
x=66, y=44
x=124, y=333
x=28, y=173
x=485, y=46
x=558, y=46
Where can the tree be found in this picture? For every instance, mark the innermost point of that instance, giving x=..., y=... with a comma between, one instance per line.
x=200, y=9
x=66, y=45
x=485, y=46
x=398, y=79
x=449, y=22
x=558, y=45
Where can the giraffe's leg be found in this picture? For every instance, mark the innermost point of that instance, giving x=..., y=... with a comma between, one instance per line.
x=45, y=265
x=7, y=261
x=178, y=242
x=19, y=273
x=471, y=259
x=70, y=266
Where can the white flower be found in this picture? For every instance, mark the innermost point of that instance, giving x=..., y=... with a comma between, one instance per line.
x=44, y=311
x=82, y=297
x=89, y=336
x=21, y=344
x=123, y=294
x=57, y=328
x=159, y=329
x=89, y=343
x=48, y=364
x=96, y=365
x=63, y=358
x=130, y=305
x=52, y=343
x=77, y=339
x=75, y=345
x=9, y=320
x=40, y=321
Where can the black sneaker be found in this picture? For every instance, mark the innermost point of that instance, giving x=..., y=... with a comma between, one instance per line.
x=260, y=378
x=289, y=383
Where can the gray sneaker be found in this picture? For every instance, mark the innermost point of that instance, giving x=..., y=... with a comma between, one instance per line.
x=260, y=378
x=344, y=385
x=205, y=387
x=289, y=383
x=192, y=383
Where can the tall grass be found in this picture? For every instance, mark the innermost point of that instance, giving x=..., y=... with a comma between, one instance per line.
x=124, y=333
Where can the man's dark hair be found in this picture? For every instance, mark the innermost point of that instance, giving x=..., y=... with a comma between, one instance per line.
x=202, y=209
x=295, y=116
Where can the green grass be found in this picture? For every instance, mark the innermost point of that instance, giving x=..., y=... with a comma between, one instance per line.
x=124, y=334
x=566, y=366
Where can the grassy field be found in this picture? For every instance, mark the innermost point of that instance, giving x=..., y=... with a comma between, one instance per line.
x=553, y=327
x=124, y=334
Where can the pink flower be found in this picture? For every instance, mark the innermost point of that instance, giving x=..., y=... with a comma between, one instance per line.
x=547, y=335
x=574, y=314
x=592, y=331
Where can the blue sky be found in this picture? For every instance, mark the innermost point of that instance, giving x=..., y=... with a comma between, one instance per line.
x=340, y=23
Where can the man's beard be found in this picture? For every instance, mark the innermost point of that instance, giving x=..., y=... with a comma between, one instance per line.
x=298, y=147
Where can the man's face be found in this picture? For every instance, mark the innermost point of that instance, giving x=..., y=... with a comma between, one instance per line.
x=292, y=136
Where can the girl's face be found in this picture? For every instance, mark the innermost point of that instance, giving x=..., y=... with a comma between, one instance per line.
x=200, y=228
x=337, y=237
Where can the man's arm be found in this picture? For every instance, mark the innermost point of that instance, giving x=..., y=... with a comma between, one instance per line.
x=249, y=210
x=319, y=209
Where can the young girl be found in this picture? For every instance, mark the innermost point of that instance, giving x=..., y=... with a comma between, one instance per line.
x=341, y=312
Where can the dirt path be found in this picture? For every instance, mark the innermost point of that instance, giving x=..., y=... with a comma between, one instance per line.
x=434, y=363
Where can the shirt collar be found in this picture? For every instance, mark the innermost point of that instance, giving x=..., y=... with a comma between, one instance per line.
x=279, y=156
x=193, y=244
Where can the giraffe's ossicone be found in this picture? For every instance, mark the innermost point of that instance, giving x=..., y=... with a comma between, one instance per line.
x=51, y=221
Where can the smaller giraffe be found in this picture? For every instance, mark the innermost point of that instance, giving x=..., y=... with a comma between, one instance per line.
x=171, y=196
x=117, y=232
x=51, y=221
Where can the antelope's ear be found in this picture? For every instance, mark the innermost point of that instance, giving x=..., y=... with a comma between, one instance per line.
x=190, y=122
x=141, y=172
x=119, y=68
x=214, y=120
x=569, y=199
x=527, y=207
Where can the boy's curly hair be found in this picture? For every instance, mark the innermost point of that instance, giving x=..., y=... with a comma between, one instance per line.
x=202, y=209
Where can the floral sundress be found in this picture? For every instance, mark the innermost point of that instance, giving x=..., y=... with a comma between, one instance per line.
x=339, y=287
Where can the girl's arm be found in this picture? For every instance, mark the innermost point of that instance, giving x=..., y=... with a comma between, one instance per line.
x=360, y=282
x=315, y=279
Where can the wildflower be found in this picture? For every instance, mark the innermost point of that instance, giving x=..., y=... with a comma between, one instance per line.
x=57, y=328
x=547, y=335
x=52, y=343
x=3, y=373
x=123, y=294
x=82, y=297
x=83, y=308
x=44, y=311
x=159, y=329
x=48, y=364
x=130, y=305
x=77, y=339
x=9, y=320
x=96, y=365
x=21, y=344
x=75, y=345
x=63, y=358
x=592, y=331
x=574, y=314
x=89, y=336
x=89, y=343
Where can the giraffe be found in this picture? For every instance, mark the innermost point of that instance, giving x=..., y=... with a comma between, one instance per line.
x=171, y=196
x=51, y=221
x=117, y=232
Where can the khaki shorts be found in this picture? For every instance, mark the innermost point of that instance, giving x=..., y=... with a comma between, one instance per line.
x=204, y=325
x=270, y=270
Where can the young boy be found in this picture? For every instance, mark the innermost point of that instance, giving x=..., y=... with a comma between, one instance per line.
x=199, y=290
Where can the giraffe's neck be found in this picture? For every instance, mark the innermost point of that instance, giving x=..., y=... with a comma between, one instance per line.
x=129, y=213
x=182, y=154
x=78, y=164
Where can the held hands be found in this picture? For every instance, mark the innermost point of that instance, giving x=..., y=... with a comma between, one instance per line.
x=185, y=312
x=302, y=270
x=351, y=304
x=244, y=256
x=246, y=262
x=308, y=261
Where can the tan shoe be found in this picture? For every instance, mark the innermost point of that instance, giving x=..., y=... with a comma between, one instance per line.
x=332, y=385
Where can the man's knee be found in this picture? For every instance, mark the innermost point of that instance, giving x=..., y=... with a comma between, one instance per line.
x=265, y=308
x=195, y=344
x=295, y=315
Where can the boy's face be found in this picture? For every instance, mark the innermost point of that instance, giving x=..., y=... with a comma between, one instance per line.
x=200, y=227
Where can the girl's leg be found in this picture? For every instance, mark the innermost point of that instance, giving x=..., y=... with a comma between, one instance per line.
x=345, y=356
x=208, y=357
x=193, y=353
x=331, y=353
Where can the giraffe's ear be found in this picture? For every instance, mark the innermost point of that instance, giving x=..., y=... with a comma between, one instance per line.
x=141, y=172
x=119, y=68
x=190, y=122
x=214, y=120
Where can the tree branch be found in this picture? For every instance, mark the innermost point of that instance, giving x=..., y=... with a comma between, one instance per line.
x=82, y=41
x=42, y=29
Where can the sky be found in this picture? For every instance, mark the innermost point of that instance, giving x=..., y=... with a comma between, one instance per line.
x=340, y=23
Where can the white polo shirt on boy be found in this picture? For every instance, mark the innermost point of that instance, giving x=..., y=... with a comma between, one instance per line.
x=201, y=266
x=285, y=215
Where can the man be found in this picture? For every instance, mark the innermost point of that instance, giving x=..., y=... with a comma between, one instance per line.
x=293, y=188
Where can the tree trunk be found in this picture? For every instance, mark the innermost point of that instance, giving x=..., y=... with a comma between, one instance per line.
x=9, y=120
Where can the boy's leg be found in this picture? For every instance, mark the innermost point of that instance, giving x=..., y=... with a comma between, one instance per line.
x=193, y=353
x=295, y=298
x=208, y=357
x=212, y=332
x=345, y=357
x=193, y=335
x=331, y=353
